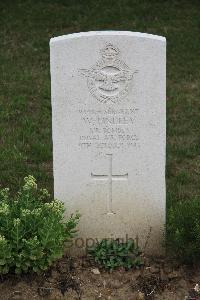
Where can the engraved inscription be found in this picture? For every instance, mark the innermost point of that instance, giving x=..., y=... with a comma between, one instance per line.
x=109, y=80
x=110, y=177
x=108, y=129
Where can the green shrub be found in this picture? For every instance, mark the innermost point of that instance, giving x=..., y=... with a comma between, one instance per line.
x=112, y=254
x=33, y=231
x=183, y=231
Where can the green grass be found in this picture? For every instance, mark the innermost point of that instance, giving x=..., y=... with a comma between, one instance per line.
x=25, y=104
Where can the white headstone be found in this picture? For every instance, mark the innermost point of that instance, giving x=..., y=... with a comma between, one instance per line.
x=108, y=106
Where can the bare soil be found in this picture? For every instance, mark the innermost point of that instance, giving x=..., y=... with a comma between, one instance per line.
x=80, y=279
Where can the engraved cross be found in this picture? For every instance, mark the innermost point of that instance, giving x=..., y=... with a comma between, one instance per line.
x=109, y=178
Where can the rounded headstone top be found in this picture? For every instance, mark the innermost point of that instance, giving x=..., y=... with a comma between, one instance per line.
x=107, y=33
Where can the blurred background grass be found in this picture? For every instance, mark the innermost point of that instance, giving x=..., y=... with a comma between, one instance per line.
x=25, y=104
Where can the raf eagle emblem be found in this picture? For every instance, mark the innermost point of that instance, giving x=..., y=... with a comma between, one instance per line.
x=109, y=80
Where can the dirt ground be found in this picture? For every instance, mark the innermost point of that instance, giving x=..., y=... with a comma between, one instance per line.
x=80, y=279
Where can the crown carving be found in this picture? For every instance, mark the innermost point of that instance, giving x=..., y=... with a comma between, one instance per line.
x=109, y=52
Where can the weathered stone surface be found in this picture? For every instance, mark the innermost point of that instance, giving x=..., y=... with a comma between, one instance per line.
x=108, y=110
